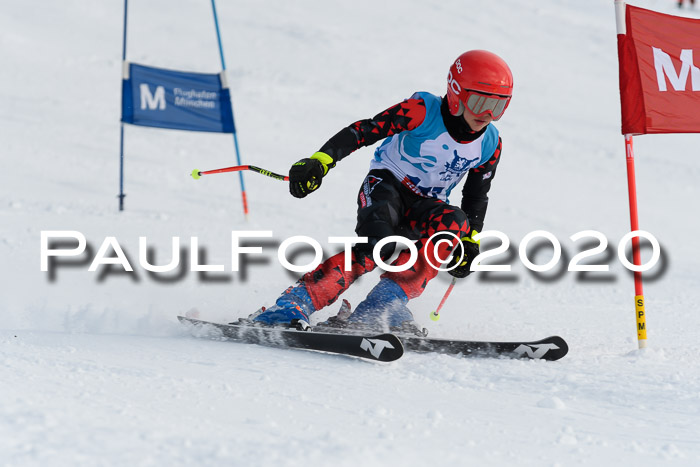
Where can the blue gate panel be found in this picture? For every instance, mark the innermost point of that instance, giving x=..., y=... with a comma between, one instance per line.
x=161, y=98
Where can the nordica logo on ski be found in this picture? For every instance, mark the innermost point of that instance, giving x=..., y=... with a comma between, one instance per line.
x=375, y=346
x=535, y=350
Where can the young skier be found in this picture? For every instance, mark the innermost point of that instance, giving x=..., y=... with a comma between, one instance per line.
x=430, y=144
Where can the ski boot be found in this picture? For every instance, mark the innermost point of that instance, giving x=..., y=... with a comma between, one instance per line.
x=291, y=309
x=383, y=309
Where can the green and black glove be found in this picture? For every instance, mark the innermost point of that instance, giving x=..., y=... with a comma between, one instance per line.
x=306, y=175
x=464, y=257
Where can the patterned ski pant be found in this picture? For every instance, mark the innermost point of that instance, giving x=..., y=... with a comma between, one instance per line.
x=386, y=207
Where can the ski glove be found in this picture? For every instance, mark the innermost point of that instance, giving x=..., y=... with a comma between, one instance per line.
x=306, y=175
x=464, y=257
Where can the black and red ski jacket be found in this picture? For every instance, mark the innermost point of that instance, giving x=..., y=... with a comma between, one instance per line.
x=407, y=116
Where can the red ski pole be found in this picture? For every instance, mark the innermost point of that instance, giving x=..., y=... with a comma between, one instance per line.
x=435, y=315
x=197, y=174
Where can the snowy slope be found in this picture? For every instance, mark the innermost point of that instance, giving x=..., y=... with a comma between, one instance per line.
x=95, y=368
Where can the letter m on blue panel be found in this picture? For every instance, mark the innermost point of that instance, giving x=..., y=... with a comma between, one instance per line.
x=178, y=100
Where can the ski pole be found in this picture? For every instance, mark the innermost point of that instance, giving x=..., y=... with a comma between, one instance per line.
x=197, y=174
x=435, y=315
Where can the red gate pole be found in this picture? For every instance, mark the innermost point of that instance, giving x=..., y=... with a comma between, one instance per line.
x=636, y=256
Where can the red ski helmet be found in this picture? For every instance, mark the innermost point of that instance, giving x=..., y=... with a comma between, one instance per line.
x=481, y=82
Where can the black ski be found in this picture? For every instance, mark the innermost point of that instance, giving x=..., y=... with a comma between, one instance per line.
x=381, y=347
x=551, y=348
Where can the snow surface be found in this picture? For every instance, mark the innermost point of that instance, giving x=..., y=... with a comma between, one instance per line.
x=95, y=369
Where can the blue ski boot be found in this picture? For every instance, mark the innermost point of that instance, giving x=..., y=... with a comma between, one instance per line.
x=293, y=307
x=385, y=308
